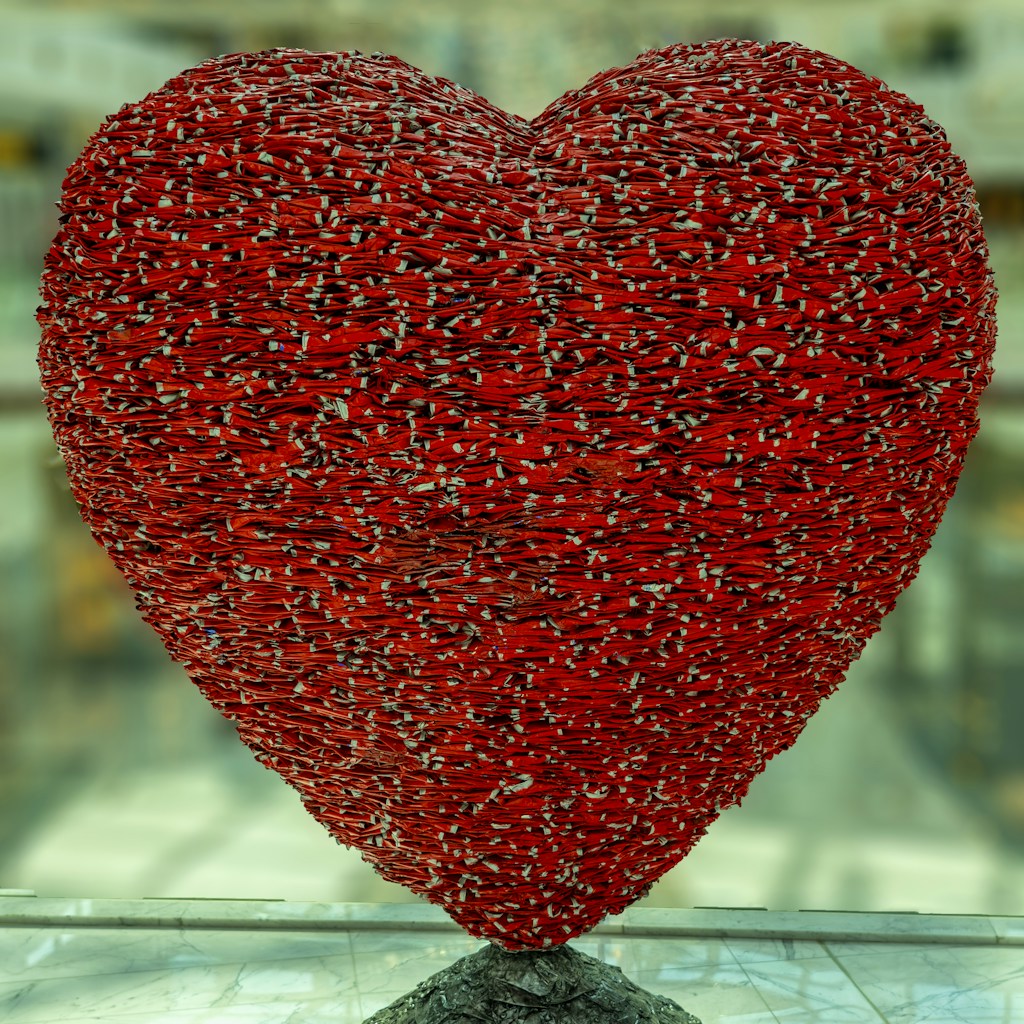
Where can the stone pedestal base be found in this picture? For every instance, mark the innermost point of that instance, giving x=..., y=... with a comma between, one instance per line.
x=554, y=986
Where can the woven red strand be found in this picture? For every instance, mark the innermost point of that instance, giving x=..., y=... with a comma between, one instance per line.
x=517, y=487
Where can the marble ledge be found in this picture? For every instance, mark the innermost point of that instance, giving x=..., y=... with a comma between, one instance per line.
x=21, y=909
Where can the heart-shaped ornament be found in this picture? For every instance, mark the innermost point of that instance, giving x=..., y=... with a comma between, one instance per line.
x=517, y=487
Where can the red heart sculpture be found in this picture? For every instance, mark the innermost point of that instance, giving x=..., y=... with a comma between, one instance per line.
x=518, y=487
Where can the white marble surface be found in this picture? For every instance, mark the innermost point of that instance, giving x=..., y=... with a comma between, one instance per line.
x=279, y=963
x=21, y=907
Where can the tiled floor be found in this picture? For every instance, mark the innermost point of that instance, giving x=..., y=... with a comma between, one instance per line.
x=211, y=962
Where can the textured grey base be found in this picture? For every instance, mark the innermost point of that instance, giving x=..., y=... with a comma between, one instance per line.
x=554, y=986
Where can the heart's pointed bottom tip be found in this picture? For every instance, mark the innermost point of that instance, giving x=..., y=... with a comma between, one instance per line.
x=558, y=985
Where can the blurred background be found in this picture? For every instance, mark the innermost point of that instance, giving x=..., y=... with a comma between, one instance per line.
x=906, y=792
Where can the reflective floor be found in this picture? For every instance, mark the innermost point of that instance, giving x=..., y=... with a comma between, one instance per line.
x=187, y=962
